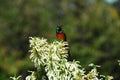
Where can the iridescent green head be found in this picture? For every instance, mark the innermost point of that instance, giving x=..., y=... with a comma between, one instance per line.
x=59, y=29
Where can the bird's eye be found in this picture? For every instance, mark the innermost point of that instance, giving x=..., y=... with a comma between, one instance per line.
x=59, y=29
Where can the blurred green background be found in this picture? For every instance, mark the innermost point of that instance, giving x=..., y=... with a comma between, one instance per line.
x=92, y=28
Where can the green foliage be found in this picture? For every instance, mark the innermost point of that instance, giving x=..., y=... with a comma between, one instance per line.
x=92, y=30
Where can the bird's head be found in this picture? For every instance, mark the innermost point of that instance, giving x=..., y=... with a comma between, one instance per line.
x=59, y=29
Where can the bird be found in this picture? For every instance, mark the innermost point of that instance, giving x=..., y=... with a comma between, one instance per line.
x=62, y=36
x=60, y=33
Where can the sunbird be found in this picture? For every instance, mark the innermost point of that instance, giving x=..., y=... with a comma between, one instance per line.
x=62, y=36
x=60, y=33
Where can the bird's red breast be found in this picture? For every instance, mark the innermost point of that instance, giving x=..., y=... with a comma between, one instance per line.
x=60, y=36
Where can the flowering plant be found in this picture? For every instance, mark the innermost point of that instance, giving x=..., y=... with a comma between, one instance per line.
x=52, y=64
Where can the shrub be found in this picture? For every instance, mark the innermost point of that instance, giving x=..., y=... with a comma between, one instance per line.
x=52, y=64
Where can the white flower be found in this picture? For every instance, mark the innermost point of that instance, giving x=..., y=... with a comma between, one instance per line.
x=51, y=63
x=32, y=76
x=15, y=78
x=119, y=62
